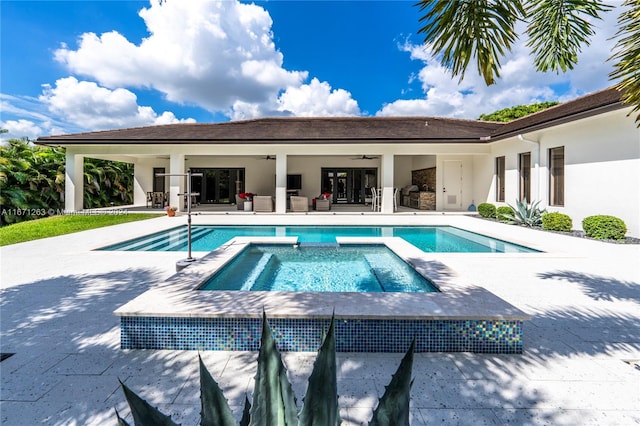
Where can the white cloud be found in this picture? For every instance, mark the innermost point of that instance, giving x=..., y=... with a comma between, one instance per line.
x=92, y=107
x=219, y=55
x=18, y=129
x=519, y=82
x=316, y=99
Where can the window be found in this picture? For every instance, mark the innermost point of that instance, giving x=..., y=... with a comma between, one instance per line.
x=524, y=171
x=158, y=181
x=556, y=176
x=500, y=163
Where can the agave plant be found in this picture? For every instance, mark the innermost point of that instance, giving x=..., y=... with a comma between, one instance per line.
x=274, y=403
x=525, y=214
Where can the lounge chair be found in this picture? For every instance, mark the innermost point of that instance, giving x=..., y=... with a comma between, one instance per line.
x=262, y=203
x=299, y=204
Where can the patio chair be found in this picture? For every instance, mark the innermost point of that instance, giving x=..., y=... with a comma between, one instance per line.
x=376, y=199
x=262, y=203
x=299, y=204
x=158, y=199
x=395, y=199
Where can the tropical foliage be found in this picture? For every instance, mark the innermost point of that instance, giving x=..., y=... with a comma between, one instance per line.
x=107, y=183
x=512, y=113
x=459, y=30
x=274, y=403
x=32, y=181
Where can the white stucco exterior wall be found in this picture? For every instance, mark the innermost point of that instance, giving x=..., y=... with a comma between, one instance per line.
x=602, y=168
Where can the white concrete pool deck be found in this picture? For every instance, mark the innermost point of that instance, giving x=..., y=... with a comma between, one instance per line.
x=581, y=348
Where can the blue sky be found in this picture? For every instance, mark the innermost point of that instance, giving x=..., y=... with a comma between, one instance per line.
x=91, y=65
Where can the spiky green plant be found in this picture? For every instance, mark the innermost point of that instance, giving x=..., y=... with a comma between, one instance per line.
x=393, y=407
x=273, y=400
x=525, y=214
x=320, y=404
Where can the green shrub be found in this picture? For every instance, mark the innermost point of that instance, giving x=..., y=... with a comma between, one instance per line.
x=504, y=213
x=487, y=210
x=604, y=227
x=557, y=222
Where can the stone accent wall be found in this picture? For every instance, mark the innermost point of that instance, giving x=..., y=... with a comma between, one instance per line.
x=427, y=201
x=422, y=200
x=424, y=177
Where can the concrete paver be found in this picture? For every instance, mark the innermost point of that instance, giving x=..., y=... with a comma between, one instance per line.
x=58, y=295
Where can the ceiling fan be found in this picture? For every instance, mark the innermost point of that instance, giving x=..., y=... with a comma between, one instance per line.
x=365, y=157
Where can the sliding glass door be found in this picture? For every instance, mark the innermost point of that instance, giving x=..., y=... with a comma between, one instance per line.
x=217, y=186
x=348, y=185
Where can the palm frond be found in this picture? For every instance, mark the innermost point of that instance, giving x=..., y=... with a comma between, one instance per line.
x=558, y=30
x=460, y=30
x=627, y=55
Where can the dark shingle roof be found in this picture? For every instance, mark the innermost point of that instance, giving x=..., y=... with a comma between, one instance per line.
x=346, y=129
x=294, y=129
x=585, y=106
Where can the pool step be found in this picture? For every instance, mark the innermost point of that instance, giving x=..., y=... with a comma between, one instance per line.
x=388, y=276
x=231, y=278
x=260, y=266
x=164, y=242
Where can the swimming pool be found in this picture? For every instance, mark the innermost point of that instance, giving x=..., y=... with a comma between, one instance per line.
x=427, y=238
x=324, y=268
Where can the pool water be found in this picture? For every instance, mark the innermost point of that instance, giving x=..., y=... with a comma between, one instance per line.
x=322, y=268
x=426, y=238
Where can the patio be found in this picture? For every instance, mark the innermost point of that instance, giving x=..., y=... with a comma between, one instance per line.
x=581, y=349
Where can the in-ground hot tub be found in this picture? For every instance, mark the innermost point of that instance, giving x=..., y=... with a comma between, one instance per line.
x=460, y=317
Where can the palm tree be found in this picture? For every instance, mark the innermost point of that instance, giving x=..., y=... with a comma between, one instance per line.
x=107, y=183
x=31, y=180
x=460, y=30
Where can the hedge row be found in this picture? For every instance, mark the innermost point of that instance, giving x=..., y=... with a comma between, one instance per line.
x=601, y=227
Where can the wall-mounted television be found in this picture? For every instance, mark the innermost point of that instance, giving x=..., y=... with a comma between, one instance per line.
x=294, y=181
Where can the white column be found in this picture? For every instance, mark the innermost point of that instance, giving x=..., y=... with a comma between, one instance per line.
x=176, y=183
x=281, y=183
x=387, y=183
x=73, y=181
x=139, y=195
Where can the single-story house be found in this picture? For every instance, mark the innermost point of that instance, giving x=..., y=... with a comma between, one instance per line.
x=581, y=158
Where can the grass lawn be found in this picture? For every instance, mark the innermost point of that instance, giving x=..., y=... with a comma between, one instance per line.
x=60, y=225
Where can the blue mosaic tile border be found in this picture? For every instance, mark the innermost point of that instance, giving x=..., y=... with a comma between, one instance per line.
x=305, y=334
